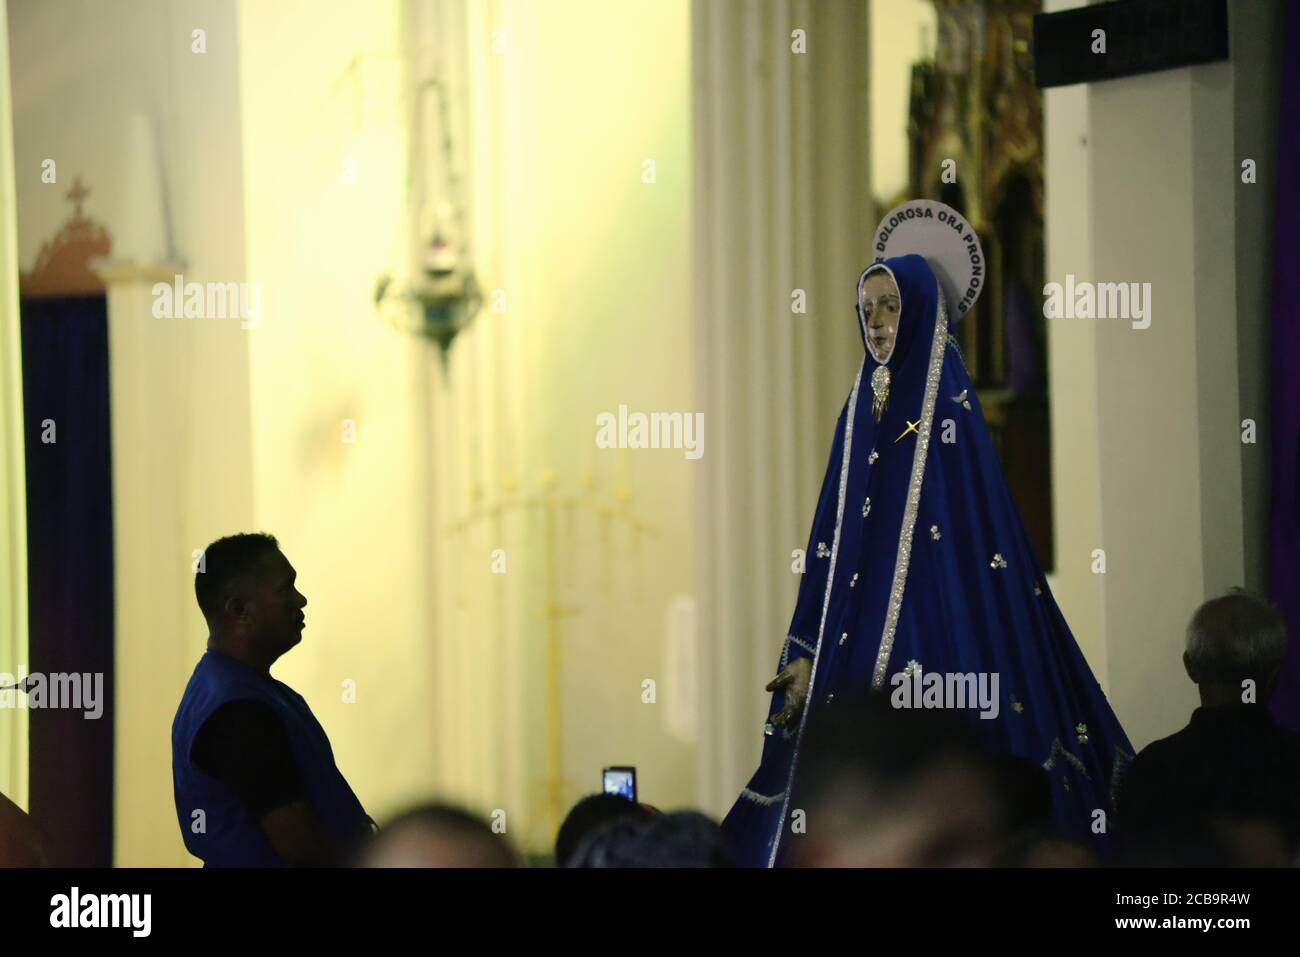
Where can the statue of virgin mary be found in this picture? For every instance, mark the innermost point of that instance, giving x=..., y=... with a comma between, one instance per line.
x=918, y=562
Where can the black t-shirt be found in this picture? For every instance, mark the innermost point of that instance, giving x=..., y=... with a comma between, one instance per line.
x=244, y=745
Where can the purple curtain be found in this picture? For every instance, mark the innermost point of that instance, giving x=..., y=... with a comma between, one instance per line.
x=1284, y=517
x=70, y=569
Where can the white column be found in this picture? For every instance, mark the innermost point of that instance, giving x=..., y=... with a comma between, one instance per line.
x=1143, y=185
x=153, y=587
x=1072, y=354
x=1163, y=178
x=782, y=202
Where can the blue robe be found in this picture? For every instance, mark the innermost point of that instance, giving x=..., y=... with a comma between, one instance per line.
x=918, y=561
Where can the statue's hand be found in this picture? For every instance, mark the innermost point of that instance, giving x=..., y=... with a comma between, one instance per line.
x=794, y=679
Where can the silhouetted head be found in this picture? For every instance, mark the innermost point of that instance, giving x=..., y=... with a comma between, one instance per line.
x=1043, y=846
x=1026, y=791
x=1231, y=641
x=247, y=591
x=678, y=839
x=886, y=787
x=437, y=835
x=590, y=815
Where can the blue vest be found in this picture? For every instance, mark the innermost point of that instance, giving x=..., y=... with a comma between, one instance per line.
x=229, y=836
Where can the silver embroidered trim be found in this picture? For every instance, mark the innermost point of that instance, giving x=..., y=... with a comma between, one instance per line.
x=1122, y=760
x=904, y=556
x=806, y=646
x=763, y=799
x=785, y=649
x=1058, y=750
x=956, y=347
x=845, y=459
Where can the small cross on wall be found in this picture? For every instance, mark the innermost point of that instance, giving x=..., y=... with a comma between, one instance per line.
x=77, y=194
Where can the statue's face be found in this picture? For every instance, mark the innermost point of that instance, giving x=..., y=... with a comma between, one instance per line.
x=882, y=309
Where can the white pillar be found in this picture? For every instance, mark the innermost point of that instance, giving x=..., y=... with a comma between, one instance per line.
x=1143, y=185
x=153, y=632
x=782, y=202
x=1163, y=183
x=1072, y=356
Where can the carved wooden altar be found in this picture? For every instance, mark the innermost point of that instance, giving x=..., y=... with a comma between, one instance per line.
x=976, y=104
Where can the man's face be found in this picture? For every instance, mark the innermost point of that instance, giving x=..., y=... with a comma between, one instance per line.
x=272, y=607
x=881, y=308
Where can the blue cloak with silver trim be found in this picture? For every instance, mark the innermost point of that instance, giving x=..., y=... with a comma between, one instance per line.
x=918, y=560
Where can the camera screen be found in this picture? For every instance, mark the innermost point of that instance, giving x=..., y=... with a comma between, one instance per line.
x=621, y=781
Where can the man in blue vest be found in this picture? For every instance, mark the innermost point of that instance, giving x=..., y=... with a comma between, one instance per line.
x=254, y=775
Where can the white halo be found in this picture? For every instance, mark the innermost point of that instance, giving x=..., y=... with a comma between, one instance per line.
x=949, y=244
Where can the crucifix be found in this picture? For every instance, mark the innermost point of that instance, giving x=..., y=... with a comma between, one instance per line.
x=77, y=194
